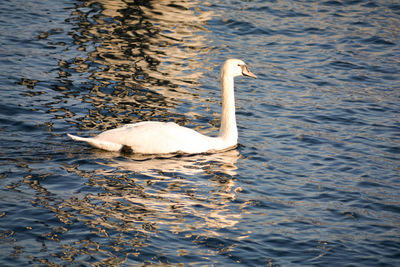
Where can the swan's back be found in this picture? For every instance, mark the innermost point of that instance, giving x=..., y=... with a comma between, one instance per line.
x=158, y=137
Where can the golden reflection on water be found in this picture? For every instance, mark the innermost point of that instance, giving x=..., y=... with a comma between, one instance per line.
x=143, y=58
x=137, y=199
x=188, y=165
x=138, y=61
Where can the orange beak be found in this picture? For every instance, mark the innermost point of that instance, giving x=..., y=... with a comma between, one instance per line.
x=247, y=72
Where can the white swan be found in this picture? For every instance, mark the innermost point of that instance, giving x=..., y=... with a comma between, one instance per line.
x=152, y=137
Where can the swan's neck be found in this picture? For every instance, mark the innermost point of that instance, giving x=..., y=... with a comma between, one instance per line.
x=228, y=131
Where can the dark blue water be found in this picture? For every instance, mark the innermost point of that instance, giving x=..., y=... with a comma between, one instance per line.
x=314, y=181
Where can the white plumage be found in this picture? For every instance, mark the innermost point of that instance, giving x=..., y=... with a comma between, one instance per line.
x=152, y=137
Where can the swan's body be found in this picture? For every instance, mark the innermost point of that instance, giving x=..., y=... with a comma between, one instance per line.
x=151, y=137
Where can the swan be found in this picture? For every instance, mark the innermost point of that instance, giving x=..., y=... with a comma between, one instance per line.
x=151, y=137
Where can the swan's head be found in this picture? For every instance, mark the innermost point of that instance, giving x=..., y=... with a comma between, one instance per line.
x=236, y=67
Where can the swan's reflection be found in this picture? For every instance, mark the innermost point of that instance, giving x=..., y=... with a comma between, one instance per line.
x=186, y=164
x=177, y=194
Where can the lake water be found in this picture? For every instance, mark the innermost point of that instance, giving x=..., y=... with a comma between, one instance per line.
x=313, y=182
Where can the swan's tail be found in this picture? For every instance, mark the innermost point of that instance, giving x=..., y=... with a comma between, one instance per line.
x=102, y=144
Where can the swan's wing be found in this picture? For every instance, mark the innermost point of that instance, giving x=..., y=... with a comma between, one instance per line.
x=153, y=138
x=157, y=137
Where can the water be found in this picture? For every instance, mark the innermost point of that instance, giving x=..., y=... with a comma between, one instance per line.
x=314, y=181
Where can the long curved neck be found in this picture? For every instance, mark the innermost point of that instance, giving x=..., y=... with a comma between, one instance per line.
x=228, y=129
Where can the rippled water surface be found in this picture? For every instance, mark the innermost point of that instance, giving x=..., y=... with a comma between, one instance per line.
x=313, y=182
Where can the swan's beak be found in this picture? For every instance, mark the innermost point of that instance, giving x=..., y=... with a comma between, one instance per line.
x=247, y=72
